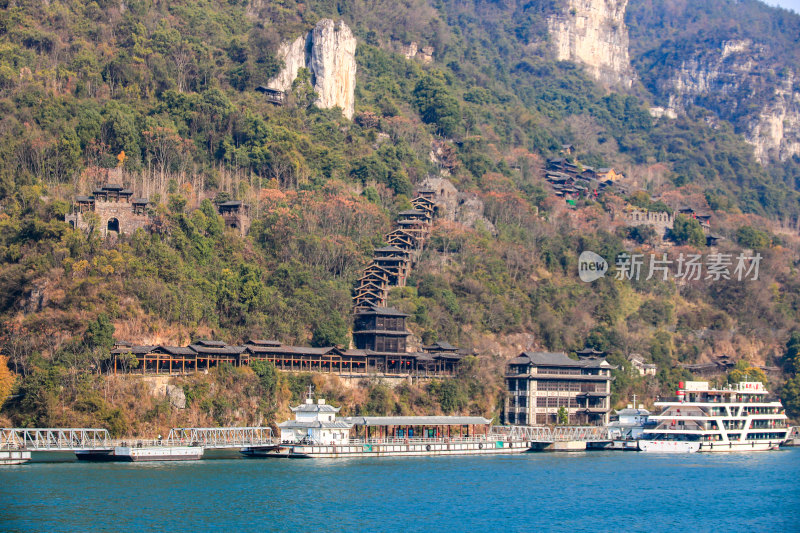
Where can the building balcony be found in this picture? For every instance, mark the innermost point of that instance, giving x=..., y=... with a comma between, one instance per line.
x=593, y=410
x=594, y=394
x=560, y=377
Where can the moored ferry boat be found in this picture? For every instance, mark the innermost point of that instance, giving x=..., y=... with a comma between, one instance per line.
x=317, y=433
x=740, y=417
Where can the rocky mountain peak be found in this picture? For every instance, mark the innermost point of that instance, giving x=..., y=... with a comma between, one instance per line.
x=593, y=32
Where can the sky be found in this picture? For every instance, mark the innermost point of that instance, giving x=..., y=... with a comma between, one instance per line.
x=788, y=4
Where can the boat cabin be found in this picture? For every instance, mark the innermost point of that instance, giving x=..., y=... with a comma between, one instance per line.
x=315, y=423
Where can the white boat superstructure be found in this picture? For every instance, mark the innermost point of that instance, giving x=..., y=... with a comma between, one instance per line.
x=740, y=417
x=316, y=432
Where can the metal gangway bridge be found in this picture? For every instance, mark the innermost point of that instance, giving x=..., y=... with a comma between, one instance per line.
x=552, y=434
x=78, y=439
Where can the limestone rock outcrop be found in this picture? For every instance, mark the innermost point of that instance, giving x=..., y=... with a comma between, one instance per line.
x=333, y=65
x=734, y=81
x=593, y=32
x=412, y=50
x=293, y=54
x=464, y=208
x=329, y=52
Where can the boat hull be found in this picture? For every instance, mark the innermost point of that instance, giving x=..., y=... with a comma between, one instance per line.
x=752, y=446
x=14, y=457
x=98, y=456
x=672, y=446
x=303, y=451
x=668, y=446
x=158, y=453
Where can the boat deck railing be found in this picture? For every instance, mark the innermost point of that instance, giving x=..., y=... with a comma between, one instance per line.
x=423, y=440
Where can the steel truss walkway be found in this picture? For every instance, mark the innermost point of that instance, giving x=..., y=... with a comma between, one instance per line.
x=554, y=434
x=54, y=439
x=72, y=439
x=233, y=437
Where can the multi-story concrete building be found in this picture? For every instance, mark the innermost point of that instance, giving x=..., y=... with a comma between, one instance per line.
x=541, y=383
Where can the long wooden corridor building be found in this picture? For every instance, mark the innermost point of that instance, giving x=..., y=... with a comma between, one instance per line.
x=438, y=360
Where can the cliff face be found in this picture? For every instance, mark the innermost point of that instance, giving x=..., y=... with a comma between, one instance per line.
x=593, y=32
x=775, y=132
x=735, y=81
x=329, y=52
x=333, y=65
x=293, y=54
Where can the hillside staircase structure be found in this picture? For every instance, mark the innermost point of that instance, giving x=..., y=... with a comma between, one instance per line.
x=391, y=264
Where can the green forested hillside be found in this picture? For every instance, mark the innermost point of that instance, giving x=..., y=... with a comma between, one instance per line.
x=160, y=95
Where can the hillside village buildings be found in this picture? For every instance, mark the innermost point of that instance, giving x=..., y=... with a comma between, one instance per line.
x=641, y=367
x=572, y=181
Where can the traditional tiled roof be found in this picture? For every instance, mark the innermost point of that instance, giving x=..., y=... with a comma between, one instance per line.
x=207, y=342
x=382, y=311
x=261, y=342
x=417, y=420
x=176, y=350
x=302, y=424
x=441, y=345
x=391, y=249
x=315, y=408
x=217, y=350
x=137, y=350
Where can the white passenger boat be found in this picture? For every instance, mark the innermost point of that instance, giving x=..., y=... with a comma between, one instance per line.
x=317, y=433
x=740, y=417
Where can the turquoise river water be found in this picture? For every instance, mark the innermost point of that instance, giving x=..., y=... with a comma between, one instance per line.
x=592, y=491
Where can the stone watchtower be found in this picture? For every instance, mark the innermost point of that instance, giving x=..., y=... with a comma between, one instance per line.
x=236, y=215
x=115, y=208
